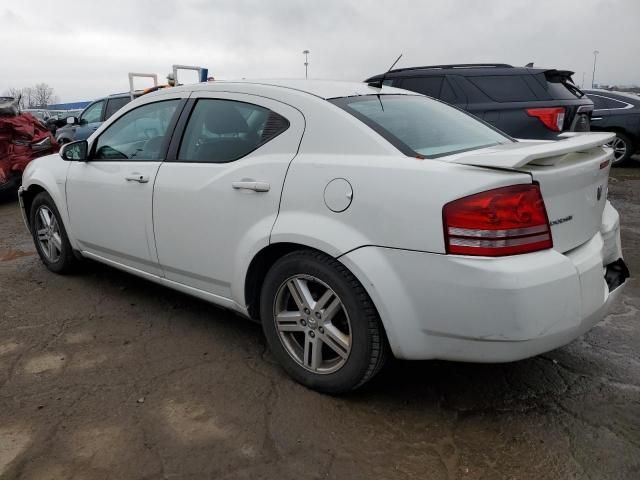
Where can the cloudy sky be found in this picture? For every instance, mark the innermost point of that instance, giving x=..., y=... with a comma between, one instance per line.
x=84, y=49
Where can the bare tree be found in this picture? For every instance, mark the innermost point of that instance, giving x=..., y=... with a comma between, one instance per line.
x=38, y=96
x=17, y=93
x=43, y=95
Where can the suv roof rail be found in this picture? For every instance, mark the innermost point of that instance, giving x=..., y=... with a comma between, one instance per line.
x=457, y=65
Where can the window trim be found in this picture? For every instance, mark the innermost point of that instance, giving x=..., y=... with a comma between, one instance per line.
x=165, y=143
x=183, y=121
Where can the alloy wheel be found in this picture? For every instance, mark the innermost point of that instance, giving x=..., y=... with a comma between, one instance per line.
x=619, y=148
x=48, y=234
x=312, y=324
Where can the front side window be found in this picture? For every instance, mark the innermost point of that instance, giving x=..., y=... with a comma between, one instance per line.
x=93, y=114
x=221, y=131
x=138, y=135
x=421, y=126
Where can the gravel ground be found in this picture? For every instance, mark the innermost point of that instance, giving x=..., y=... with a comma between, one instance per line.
x=104, y=375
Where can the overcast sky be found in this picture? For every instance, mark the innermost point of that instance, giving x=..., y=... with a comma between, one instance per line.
x=84, y=49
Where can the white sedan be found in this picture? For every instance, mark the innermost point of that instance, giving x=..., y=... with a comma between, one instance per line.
x=352, y=221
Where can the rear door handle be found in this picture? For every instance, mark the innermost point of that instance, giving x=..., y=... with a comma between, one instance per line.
x=251, y=185
x=137, y=177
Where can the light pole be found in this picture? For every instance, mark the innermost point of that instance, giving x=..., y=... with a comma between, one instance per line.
x=593, y=77
x=306, y=63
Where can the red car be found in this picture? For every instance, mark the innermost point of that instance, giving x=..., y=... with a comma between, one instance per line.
x=22, y=138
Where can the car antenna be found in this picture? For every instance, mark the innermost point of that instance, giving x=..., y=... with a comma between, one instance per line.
x=378, y=83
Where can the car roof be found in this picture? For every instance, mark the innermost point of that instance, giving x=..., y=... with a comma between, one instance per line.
x=325, y=89
x=466, y=69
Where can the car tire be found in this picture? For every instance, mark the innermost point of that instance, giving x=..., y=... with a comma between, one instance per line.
x=50, y=236
x=338, y=343
x=622, y=149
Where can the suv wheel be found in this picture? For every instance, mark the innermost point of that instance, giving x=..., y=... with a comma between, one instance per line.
x=320, y=323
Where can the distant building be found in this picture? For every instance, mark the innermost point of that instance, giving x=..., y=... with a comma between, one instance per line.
x=68, y=106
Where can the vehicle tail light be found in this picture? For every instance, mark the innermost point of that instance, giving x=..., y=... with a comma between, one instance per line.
x=553, y=117
x=504, y=221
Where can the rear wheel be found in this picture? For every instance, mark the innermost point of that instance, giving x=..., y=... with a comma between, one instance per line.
x=622, y=149
x=49, y=235
x=320, y=323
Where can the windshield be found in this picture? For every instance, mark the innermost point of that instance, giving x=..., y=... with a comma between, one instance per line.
x=418, y=125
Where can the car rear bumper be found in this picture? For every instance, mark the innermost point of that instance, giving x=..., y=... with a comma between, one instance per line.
x=491, y=309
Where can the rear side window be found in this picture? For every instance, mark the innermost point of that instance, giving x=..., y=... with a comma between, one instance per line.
x=221, y=131
x=504, y=88
x=606, y=103
x=420, y=126
x=425, y=85
x=115, y=104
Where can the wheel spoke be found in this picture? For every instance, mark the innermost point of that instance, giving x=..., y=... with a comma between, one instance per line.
x=324, y=299
x=44, y=215
x=332, y=309
x=57, y=242
x=288, y=321
x=336, y=340
x=312, y=352
x=301, y=294
x=51, y=250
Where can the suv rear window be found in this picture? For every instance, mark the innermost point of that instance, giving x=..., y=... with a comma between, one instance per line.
x=504, y=88
x=420, y=126
x=425, y=85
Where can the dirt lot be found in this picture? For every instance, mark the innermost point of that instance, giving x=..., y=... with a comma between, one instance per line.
x=103, y=375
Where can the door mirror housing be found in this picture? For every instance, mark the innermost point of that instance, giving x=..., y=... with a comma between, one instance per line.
x=72, y=120
x=75, y=151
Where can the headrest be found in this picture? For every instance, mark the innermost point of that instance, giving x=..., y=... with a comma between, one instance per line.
x=222, y=117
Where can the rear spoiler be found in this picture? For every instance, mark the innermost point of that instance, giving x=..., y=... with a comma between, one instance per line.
x=537, y=153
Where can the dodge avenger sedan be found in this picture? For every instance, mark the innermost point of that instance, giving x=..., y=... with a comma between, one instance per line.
x=353, y=222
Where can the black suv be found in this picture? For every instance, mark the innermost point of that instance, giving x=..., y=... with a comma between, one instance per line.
x=523, y=102
x=617, y=112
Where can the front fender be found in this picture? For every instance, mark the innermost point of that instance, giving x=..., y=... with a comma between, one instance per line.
x=50, y=174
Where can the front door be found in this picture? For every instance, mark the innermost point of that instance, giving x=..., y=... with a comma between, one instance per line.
x=215, y=203
x=110, y=196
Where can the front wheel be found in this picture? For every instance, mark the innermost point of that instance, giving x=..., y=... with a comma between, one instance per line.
x=50, y=236
x=320, y=323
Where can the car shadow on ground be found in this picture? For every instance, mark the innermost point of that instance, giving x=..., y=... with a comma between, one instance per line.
x=463, y=387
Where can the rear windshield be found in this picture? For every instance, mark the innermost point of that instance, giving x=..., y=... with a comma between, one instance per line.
x=420, y=126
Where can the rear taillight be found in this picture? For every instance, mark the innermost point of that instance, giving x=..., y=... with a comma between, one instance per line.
x=553, y=117
x=505, y=221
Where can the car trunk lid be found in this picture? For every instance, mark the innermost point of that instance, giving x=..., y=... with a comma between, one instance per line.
x=572, y=174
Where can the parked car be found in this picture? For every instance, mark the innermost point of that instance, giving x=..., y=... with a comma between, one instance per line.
x=23, y=137
x=533, y=103
x=94, y=114
x=349, y=220
x=617, y=112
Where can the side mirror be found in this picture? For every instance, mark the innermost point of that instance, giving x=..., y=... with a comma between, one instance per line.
x=72, y=120
x=75, y=151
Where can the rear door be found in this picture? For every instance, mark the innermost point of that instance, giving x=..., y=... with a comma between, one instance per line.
x=216, y=197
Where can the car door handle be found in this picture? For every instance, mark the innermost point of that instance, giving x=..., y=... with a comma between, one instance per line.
x=251, y=185
x=593, y=119
x=137, y=177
